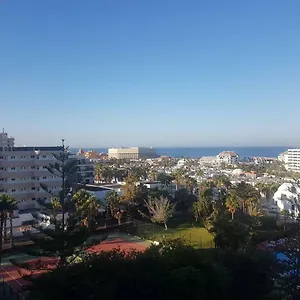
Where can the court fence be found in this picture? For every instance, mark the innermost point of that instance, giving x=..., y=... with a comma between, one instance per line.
x=7, y=292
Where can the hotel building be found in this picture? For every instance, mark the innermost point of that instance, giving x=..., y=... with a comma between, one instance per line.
x=132, y=153
x=24, y=169
x=293, y=160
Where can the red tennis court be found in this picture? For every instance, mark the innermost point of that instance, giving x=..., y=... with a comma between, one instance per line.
x=13, y=274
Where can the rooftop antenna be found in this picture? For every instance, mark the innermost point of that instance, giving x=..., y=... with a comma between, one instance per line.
x=2, y=130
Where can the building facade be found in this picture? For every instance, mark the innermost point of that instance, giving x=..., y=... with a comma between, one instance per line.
x=283, y=157
x=23, y=169
x=6, y=141
x=286, y=196
x=132, y=153
x=293, y=160
x=227, y=157
x=85, y=169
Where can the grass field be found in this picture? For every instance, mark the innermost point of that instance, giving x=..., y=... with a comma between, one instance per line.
x=178, y=227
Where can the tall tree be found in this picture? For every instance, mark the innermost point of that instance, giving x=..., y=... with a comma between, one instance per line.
x=87, y=208
x=160, y=210
x=184, y=199
x=133, y=196
x=98, y=172
x=232, y=204
x=7, y=205
x=68, y=235
x=112, y=202
x=245, y=192
x=178, y=176
x=164, y=178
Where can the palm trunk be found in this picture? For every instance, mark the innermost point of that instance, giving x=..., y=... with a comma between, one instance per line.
x=1, y=236
x=232, y=215
x=11, y=233
x=5, y=228
x=166, y=227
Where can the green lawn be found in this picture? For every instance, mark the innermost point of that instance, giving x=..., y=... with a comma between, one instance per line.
x=179, y=227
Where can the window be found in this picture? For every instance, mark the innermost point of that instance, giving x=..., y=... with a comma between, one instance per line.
x=13, y=179
x=33, y=199
x=12, y=168
x=283, y=196
x=44, y=177
x=33, y=177
x=2, y=191
x=44, y=156
x=33, y=188
x=12, y=157
x=32, y=167
x=32, y=156
x=13, y=190
x=44, y=167
x=1, y=179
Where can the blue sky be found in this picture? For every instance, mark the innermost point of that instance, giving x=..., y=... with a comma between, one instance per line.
x=150, y=72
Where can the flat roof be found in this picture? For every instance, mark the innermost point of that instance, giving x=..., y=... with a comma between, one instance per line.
x=49, y=148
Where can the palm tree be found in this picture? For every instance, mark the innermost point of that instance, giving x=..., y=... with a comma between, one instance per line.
x=245, y=192
x=153, y=175
x=7, y=206
x=112, y=200
x=189, y=183
x=13, y=206
x=98, y=172
x=232, y=204
x=87, y=208
x=178, y=178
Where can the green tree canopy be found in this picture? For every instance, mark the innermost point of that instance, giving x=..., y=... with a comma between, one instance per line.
x=171, y=271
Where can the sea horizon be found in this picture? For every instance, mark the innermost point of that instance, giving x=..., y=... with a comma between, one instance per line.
x=194, y=152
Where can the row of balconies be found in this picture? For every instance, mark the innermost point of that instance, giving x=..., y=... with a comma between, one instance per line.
x=25, y=180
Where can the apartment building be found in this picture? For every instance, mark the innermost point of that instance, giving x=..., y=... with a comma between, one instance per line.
x=293, y=160
x=23, y=169
x=132, y=153
x=85, y=169
x=5, y=140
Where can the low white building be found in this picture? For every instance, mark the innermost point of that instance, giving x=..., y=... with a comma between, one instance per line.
x=181, y=163
x=227, y=157
x=286, y=196
x=207, y=160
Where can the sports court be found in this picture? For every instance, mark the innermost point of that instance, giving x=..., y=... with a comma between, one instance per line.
x=12, y=274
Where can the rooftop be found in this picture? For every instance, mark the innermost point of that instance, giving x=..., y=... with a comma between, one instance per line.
x=15, y=149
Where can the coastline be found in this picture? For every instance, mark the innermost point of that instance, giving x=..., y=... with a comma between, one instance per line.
x=195, y=152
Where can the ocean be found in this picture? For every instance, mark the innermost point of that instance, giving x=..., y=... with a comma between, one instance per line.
x=194, y=152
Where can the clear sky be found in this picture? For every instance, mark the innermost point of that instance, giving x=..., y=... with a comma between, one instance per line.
x=150, y=72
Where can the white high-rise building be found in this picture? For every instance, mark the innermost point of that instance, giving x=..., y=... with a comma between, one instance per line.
x=23, y=169
x=293, y=160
